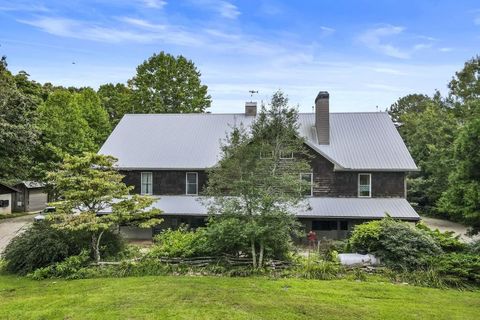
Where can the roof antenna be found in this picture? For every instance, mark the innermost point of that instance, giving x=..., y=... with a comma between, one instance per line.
x=377, y=108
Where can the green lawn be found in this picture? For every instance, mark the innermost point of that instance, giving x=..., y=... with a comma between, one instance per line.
x=228, y=298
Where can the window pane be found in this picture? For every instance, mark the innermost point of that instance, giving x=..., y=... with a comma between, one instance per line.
x=192, y=183
x=146, y=183
x=364, y=179
x=191, y=177
x=324, y=225
x=343, y=225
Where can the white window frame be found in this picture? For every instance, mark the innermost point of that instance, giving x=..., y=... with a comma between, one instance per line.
x=311, y=182
x=290, y=155
x=370, y=185
x=142, y=189
x=187, y=183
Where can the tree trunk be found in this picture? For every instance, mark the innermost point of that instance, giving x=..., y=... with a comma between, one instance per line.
x=260, y=259
x=96, y=246
x=254, y=254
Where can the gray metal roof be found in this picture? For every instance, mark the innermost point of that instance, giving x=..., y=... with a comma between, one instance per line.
x=32, y=184
x=352, y=208
x=358, y=141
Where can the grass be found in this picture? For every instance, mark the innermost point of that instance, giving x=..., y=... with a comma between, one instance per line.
x=15, y=214
x=181, y=297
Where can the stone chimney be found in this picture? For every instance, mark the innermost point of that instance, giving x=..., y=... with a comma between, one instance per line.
x=322, y=117
x=250, y=108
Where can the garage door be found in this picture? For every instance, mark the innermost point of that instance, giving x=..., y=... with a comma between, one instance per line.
x=37, y=200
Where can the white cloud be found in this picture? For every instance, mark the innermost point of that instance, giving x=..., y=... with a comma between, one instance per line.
x=142, y=31
x=155, y=4
x=327, y=31
x=228, y=10
x=380, y=40
x=445, y=49
x=26, y=7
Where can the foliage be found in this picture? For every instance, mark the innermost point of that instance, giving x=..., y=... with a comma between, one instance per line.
x=94, y=114
x=41, y=245
x=396, y=243
x=18, y=134
x=90, y=185
x=442, y=135
x=180, y=243
x=168, y=84
x=255, y=188
x=117, y=101
x=448, y=241
x=474, y=247
x=64, y=131
x=462, y=198
x=314, y=268
x=458, y=266
x=70, y=268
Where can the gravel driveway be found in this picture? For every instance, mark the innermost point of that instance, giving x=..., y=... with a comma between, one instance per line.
x=9, y=228
x=445, y=225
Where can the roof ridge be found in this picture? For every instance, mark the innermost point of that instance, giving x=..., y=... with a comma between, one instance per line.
x=238, y=113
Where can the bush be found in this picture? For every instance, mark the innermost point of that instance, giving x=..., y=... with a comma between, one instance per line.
x=180, y=243
x=446, y=240
x=397, y=244
x=70, y=268
x=474, y=247
x=313, y=268
x=41, y=246
x=458, y=266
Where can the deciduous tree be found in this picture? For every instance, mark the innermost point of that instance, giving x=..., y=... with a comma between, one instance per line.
x=168, y=84
x=90, y=188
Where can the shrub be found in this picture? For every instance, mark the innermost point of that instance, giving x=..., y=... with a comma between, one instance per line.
x=71, y=268
x=474, y=247
x=314, y=268
x=397, y=244
x=41, y=246
x=180, y=243
x=458, y=266
x=446, y=240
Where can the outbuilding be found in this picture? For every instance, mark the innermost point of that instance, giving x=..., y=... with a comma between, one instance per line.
x=6, y=196
x=31, y=196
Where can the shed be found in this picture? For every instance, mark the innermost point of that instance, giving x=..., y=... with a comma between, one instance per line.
x=6, y=196
x=31, y=196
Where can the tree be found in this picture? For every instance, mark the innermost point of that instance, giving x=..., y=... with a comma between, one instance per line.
x=257, y=183
x=466, y=83
x=168, y=84
x=462, y=198
x=64, y=131
x=94, y=114
x=117, y=101
x=18, y=134
x=89, y=185
x=408, y=104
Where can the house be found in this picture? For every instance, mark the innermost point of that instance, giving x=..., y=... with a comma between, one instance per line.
x=358, y=171
x=30, y=196
x=6, y=196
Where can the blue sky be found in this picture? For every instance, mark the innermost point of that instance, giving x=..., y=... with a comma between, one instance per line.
x=365, y=53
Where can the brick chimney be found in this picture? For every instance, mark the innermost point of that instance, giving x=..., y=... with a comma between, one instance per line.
x=250, y=108
x=322, y=117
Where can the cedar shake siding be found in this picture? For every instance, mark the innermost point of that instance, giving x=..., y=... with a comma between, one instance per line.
x=164, y=182
x=326, y=181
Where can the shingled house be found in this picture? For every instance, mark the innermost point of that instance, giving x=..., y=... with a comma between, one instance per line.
x=358, y=170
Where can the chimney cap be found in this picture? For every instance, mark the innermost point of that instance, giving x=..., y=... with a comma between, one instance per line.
x=322, y=95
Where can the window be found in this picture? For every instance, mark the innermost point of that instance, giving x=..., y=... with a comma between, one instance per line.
x=308, y=177
x=365, y=185
x=286, y=155
x=324, y=225
x=192, y=183
x=343, y=225
x=146, y=183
